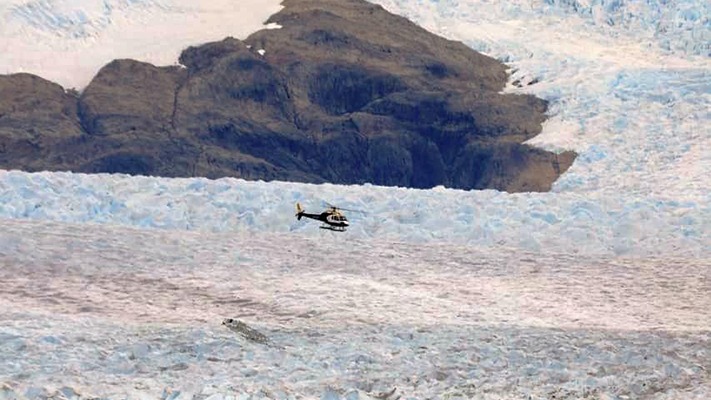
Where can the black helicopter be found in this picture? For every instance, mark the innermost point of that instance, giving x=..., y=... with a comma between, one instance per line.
x=332, y=218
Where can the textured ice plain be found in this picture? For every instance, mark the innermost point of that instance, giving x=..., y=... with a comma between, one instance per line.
x=439, y=293
x=67, y=41
x=120, y=312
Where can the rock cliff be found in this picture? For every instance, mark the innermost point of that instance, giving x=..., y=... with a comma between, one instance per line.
x=344, y=92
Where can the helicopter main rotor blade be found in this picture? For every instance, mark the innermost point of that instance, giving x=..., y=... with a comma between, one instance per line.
x=344, y=209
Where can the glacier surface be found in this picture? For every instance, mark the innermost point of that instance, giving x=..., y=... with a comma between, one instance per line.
x=111, y=312
x=637, y=111
x=68, y=41
x=559, y=222
x=115, y=286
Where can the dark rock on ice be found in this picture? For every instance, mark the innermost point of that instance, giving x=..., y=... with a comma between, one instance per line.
x=344, y=92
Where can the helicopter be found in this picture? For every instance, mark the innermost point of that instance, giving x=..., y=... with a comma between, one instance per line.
x=332, y=217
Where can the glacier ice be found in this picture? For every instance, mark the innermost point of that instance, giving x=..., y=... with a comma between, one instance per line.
x=638, y=115
x=68, y=41
x=116, y=285
x=559, y=222
x=119, y=312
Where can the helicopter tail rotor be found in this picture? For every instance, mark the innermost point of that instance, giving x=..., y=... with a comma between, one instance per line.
x=299, y=211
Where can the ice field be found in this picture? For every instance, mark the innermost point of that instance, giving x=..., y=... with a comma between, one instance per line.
x=67, y=41
x=569, y=222
x=115, y=287
x=120, y=312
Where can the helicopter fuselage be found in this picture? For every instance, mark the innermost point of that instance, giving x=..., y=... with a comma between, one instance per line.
x=330, y=218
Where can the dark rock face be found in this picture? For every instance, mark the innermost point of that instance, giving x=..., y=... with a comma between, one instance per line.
x=344, y=92
x=35, y=116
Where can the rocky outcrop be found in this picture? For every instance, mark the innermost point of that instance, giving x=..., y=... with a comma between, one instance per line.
x=35, y=117
x=344, y=92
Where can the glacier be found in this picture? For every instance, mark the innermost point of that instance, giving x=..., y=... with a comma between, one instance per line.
x=635, y=109
x=115, y=286
x=120, y=312
x=68, y=41
x=541, y=222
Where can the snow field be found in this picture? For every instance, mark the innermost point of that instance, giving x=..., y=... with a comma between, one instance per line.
x=635, y=109
x=115, y=312
x=68, y=41
x=115, y=287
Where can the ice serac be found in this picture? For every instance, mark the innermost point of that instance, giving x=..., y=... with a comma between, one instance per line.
x=343, y=92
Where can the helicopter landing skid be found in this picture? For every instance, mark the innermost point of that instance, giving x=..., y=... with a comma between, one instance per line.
x=333, y=228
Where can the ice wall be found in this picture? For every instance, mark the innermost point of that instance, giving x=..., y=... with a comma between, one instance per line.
x=550, y=222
